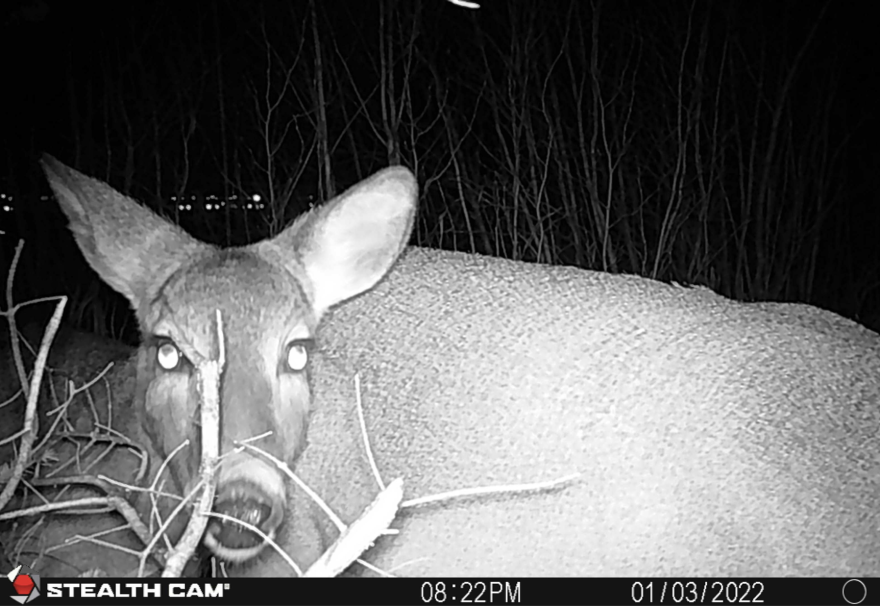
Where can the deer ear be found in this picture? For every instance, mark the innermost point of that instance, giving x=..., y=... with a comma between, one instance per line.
x=132, y=248
x=347, y=245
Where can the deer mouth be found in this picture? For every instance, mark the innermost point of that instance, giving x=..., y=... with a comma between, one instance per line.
x=250, y=501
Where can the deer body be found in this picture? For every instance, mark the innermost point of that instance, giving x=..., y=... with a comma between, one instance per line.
x=711, y=437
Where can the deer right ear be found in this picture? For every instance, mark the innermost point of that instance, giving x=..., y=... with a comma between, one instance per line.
x=348, y=245
x=132, y=248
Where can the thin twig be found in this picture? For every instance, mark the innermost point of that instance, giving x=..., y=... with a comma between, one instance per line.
x=363, y=424
x=489, y=490
x=31, y=422
x=121, y=505
x=209, y=373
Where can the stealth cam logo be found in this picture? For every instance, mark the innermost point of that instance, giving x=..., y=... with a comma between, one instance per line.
x=27, y=585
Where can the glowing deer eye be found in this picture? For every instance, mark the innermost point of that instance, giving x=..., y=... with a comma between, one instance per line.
x=168, y=356
x=297, y=356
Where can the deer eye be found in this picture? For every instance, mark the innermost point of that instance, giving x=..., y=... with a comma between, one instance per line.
x=168, y=356
x=297, y=356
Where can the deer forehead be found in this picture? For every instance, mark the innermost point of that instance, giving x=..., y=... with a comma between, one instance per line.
x=262, y=306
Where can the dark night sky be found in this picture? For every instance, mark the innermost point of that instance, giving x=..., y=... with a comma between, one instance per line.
x=45, y=42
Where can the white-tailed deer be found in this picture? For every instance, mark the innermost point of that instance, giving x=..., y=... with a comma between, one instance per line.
x=712, y=437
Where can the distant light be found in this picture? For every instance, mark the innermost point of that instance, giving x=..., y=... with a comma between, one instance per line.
x=256, y=198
